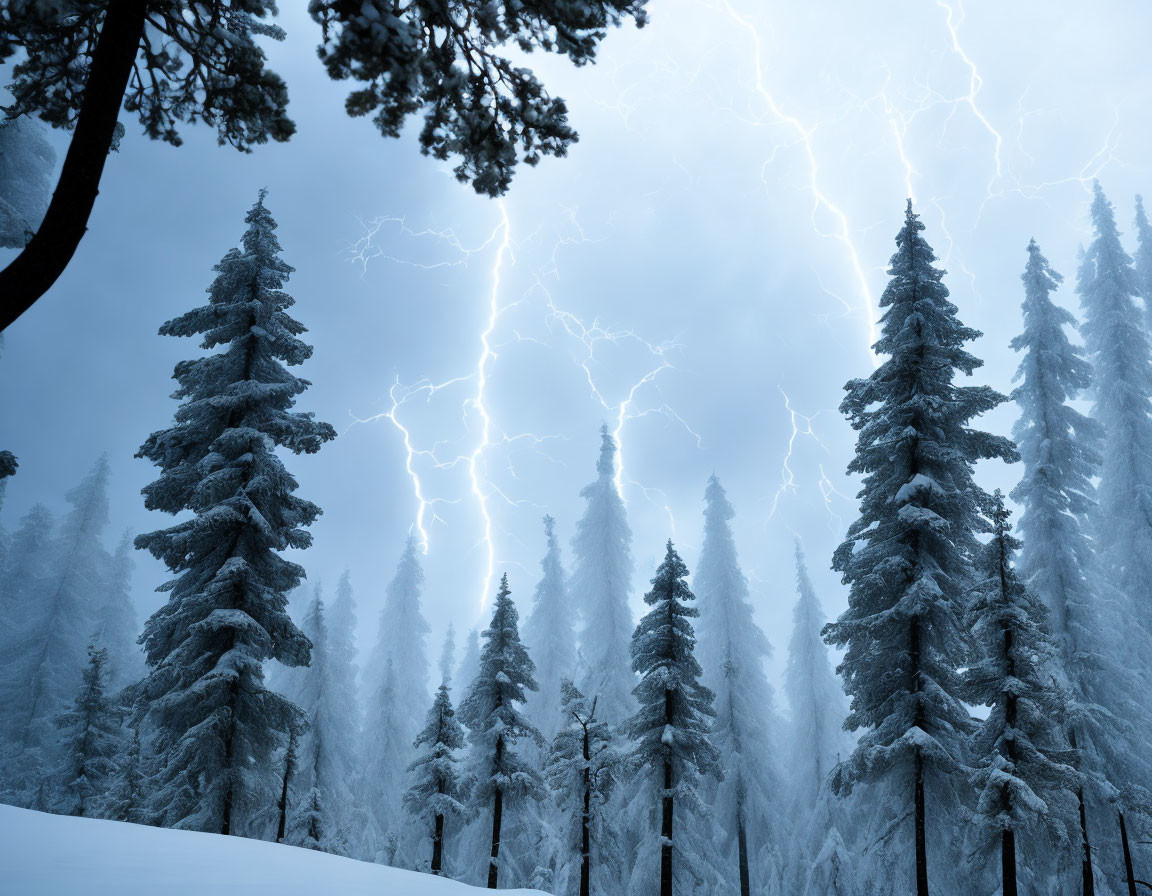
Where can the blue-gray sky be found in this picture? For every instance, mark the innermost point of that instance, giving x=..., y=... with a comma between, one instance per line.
x=713, y=247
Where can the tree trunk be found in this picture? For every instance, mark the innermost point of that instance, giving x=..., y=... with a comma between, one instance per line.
x=921, y=837
x=438, y=845
x=1131, y=877
x=43, y=260
x=497, y=817
x=666, y=834
x=1008, y=861
x=742, y=846
x=283, y=807
x=585, y=824
x=1088, y=885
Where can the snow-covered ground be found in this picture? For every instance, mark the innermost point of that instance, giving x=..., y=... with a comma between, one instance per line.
x=52, y=855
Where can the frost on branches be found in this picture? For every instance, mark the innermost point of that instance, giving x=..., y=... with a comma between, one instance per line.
x=215, y=723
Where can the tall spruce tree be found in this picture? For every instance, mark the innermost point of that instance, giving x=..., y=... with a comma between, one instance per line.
x=116, y=622
x=1143, y=260
x=496, y=723
x=672, y=749
x=1118, y=345
x=91, y=742
x=45, y=662
x=907, y=558
x=550, y=636
x=732, y=649
x=447, y=664
x=1060, y=449
x=470, y=662
x=600, y=585
x=384, y=765
x=437, y=792
x=581, y=768
x=216, y=724
x=1019, y=752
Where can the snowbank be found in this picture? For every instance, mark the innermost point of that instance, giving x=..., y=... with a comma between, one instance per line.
x=53, y=855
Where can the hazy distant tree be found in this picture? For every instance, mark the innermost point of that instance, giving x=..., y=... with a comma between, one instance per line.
x=437, y=790
x=732, y=649
x=1022, y=780
x=470, y=662
x=90, y=746
x=1143, y=260
x=116, y=623
x=44, y=662
x=672, y=750
x=447, y=664
x=184, y=62
x=550, y=636
x=385, y=761
x=496, y=723
x=907, y=558
x=26, y=578
x=581, y=768
x=216, y=724
x=600, y=586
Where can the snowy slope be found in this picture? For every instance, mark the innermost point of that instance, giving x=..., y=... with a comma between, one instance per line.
x=52, y=855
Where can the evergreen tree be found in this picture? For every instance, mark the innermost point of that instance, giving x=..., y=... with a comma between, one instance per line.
x=448, y=655
x=326, y=754
x=45, y=661
x=1143, y=260
x=116, y=623
x=581, y=770
x=671, y=729
x=496, y=724
x=127, y=800
x=216, y=723
x=907, y=558
x=1118, y=345
x=1060, y=448
x=814, y=694
x=403, y=634
x=437, y=790
x=732, y=649
x=550, y=637
x=386, y=759
x=600, y=584
x=90, y=746
x=1020, y=777
x=470, y=663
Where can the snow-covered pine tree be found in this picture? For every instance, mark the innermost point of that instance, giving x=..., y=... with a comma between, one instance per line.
x=447, y=664
x=470, y=662
x=581, y=769
x=116, y=622
x=402, y=638
x=44, y=665
x=550, y=637
x=496, y=723
x=1023, y=783
x=820, y=861
x=600, y=584
x=326, y=754
x=670, y=731
x=384, y=766
x=732, y=649
x=91, y=742
x=907, y=558
x=1143, y=260
x=437, y=790
x=347, y=722
x=216, y=725
x=127, y=798
x=1118, y=345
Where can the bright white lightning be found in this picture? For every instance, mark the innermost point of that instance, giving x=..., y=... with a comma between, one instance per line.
x=801, y=427
x=805, y=137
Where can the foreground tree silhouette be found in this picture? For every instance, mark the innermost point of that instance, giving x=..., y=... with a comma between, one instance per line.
x=907, y=558
x=183, y=62
x=216, y=725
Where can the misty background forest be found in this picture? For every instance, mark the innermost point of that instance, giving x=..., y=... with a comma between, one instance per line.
x=718, y=462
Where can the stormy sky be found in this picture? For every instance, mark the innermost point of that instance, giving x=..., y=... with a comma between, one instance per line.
x=700, y=274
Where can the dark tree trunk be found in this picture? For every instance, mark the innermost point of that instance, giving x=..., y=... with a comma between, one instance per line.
x=585, y=824
x=742, y=846
x=438, y=845
x=1088, y=885
x=921, y=837
x=666, y=834
x=43, y=260
x=497, y=817
x=1008, y=861
x=1131, y=877
x=282, y=825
